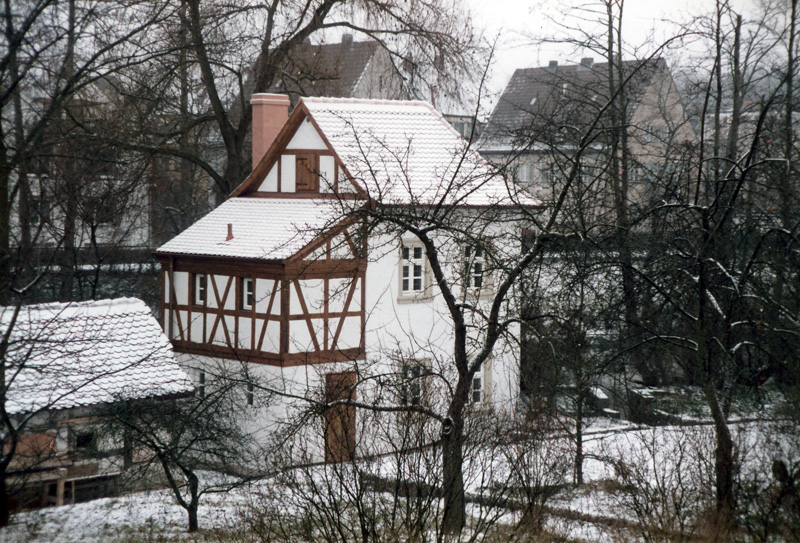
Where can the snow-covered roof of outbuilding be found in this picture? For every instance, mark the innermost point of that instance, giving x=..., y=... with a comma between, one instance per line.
x=87, y=353
x=405, y=152
x=263, y=228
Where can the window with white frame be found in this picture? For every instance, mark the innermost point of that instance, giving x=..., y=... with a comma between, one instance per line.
x=480, y=385
x=475, y=267
x=525, y=173
x=199, y=288
x=413, y=374
x=476, y=389
x=412, y=279
x=248, y=293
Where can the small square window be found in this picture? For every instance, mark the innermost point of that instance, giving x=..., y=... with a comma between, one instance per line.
x=200, y=289
x=85, y=441
x=248, y=294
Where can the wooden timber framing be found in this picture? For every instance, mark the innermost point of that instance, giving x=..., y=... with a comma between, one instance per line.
x=278, y=148
x=222, y=309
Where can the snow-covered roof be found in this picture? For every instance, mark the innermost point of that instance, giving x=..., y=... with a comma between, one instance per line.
x=87, y=353
x=405, y=152
x=264, y=228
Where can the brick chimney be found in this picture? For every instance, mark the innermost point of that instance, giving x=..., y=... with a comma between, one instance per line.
x=586, y=63
x=270, y=112
x=552, y=66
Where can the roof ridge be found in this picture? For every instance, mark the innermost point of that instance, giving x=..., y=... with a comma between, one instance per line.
x=105, y=302
x=366, y=101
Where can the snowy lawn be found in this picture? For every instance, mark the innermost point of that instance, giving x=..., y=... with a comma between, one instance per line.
x=616, y=454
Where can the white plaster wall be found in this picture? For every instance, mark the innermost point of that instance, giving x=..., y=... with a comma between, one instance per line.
x=263, y=291
x=287, y=173
x=338, y=289
x=272, y=337
x=270, y=182
x=181, y=287
x=307, y=137
x=299, y=339
x=245, y=332
x=327, y=171
x=197, y=327
x=313, y=294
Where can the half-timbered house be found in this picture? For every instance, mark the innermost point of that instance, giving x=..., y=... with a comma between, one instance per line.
x=286, y=278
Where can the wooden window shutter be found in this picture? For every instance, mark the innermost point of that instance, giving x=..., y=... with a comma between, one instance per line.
x=306, y=172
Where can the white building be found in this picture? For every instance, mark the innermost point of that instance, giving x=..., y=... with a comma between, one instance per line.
x=294, y=277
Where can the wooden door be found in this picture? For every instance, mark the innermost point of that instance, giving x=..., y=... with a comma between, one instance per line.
x=340, y=420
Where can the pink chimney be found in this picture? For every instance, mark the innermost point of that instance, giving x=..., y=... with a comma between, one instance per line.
x=270, y=112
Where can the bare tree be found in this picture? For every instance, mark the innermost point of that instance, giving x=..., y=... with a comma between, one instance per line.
x=200, y=445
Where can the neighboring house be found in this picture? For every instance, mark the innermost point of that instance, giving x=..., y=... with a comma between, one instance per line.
x=64, y=362
x=348, y=69
x=543, y=112
x=364, y=69
x=78, y=192
x=282, y=278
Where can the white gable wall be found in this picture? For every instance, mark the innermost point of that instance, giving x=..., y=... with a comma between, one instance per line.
x=287, y=173
x=307, y=137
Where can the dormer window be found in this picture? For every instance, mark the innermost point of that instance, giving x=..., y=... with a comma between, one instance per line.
x=306, y=172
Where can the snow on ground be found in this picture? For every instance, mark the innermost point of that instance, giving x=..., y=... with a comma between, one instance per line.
x=146, y=513
x=141, y=513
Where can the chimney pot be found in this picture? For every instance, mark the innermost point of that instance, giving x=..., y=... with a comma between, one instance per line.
x=270, y=113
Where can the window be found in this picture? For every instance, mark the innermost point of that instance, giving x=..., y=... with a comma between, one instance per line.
x=412, y=378
x=306, y=173
x=250, y=393
x=200, y=288
x=476, y=389
x=475, y=267
x=525, y=173
x=413, y=267
x=248, y=296
x=201, y=388
x=85, y=441
x=39, y=209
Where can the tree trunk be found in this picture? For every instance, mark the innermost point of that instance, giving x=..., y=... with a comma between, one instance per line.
x=5, y=514
x=454, y=517
x=723, y=460
x=578, y=476
x=194, y=503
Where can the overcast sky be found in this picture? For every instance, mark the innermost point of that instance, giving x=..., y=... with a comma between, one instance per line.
x=517, y=23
